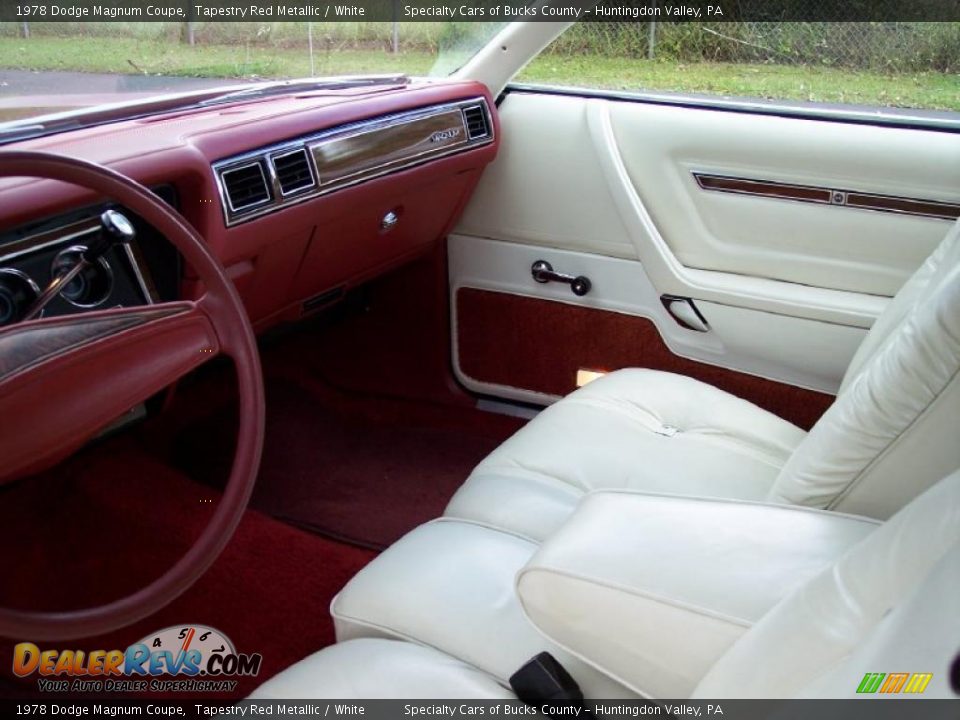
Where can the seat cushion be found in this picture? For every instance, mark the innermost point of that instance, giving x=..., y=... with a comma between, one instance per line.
x=630, y=575
x=633, y=429
x=885, y=606
x=375, y=669
x=450, y=584
x=888, y=605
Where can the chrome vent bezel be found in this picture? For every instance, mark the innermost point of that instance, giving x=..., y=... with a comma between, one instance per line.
x=225, y=192
x=300, y=150
x=484, y=117
x=278, y=200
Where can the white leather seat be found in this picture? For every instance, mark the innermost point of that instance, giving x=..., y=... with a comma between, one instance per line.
x=372, y=668
x=450, y=585
x=888, y=436
x=887, y=604
x=631, y=430
x=451, y=580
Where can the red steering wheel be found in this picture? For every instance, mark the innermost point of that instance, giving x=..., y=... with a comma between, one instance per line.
x=63, y=379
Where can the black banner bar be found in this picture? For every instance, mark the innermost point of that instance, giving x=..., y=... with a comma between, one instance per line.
x=480, y=10
x=871, y=709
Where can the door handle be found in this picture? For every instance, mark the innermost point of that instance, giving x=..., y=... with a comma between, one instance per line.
x=685, y=312
x=543, y=272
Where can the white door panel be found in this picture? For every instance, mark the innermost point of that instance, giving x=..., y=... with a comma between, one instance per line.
x=555, y=182
x=797, y=351
x=547, y=185
x=605, y=188
x=818, y=244
x=802, y=352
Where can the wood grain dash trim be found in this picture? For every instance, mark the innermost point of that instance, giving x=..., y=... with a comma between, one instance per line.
x=828, y=196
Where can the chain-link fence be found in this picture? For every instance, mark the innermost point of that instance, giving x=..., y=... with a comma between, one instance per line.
x=411, y=36
x=884, y=47
x=890, y=47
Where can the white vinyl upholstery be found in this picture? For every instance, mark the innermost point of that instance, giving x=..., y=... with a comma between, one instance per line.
x=892, y=431
x=446, y=584
x=376, y=668
x=889, y=435
x=724, y=589
x=929, y=279
x=887, y=604
x=583, y=174
x=901, y=584
x=631, y=573
x=631, y=430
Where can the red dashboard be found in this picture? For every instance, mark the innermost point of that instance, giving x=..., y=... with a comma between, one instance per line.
x=297, y=251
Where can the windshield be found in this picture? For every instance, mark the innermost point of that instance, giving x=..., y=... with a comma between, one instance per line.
x=52, y=67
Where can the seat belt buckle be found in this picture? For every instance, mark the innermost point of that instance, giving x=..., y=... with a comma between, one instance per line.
x=542, y=679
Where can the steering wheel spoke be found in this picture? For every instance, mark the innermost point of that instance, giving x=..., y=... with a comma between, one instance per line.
x=50, y=368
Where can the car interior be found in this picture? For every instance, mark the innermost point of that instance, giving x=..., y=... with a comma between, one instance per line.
x=404, y=381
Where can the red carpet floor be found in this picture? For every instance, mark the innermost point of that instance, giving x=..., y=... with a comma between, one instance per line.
x=368, y=435
x=111, y=519
x=360, y=470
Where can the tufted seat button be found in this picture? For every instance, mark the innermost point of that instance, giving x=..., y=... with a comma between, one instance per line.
x=667, y=430
x=622, y=432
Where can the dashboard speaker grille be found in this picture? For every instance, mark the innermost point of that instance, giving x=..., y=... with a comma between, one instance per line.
x=245, y=186
x=293, y=171
x=476, y=119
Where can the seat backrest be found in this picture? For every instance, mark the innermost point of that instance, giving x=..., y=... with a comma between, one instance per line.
x=888, y=605
x=894, y=427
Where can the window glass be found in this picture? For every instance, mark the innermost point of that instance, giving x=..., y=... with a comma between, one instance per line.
x=49, y=67
x=914, y=65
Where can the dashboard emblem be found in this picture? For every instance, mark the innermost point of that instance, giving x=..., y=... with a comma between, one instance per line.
x=442, y=135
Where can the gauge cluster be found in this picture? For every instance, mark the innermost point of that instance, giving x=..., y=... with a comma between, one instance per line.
x=47, y=257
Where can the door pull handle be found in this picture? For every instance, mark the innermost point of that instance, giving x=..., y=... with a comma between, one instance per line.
x=685, y=313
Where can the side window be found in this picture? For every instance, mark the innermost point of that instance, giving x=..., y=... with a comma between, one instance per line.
x=910, y=65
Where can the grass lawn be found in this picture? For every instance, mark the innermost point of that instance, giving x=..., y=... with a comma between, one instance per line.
x=108, y=55
x=780, y=82
x=924, y=90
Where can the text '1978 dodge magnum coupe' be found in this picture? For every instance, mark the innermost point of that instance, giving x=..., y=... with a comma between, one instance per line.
x=494, y=384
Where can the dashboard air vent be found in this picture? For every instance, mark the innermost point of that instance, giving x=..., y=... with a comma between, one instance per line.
x=293, y=171
x=476, y=120
x=245, y=186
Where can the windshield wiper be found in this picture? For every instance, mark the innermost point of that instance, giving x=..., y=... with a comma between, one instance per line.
x=48, y=124
x=293, y=86
x=21, y=132
x=28, y=131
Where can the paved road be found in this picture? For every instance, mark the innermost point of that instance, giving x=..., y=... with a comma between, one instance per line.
x=27, y=82
x=26, y=94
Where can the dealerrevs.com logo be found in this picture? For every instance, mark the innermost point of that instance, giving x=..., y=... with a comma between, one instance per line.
x=181, y=658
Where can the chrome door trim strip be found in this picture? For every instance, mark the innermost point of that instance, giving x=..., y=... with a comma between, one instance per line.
x=823, y=195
